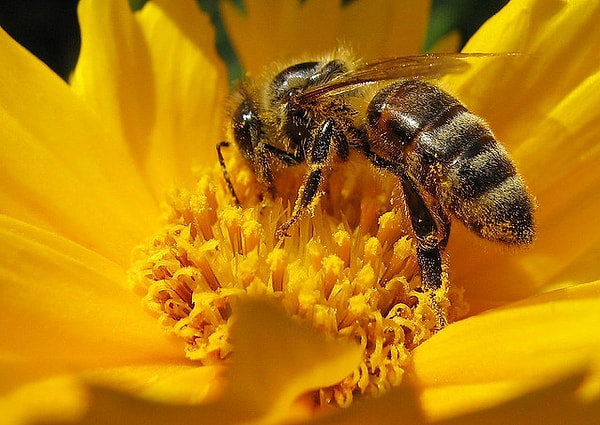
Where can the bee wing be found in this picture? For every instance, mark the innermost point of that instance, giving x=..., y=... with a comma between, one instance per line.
x=428, y=66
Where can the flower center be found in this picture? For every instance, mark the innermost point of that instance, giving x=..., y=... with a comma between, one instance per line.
x=349, y=271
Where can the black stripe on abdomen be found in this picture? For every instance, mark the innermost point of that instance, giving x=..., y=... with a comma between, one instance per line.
x=482, y=167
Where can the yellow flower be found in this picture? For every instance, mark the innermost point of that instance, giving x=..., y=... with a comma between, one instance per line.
x=123, y=161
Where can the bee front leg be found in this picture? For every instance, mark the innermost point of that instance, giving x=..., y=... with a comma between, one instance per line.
x=316, y=159
x=264, y=154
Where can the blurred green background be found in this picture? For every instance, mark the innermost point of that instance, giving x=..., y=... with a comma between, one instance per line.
x=48, y=28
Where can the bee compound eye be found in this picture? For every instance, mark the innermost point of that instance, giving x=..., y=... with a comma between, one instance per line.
x=246, y=128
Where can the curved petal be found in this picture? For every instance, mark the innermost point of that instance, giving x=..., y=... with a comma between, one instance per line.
x=172, y=383
x=189, y=85
x=148, y=78
x=558, y=402
x=68, y=308
x=384, y=28
x=62, y=398
x=288, y=360
x=58, y=399
x=488, y=358
x=59, y=168
x=114, y=71
x=276, y=361
x=555, y=404
x=279, y=30
x=544, y=105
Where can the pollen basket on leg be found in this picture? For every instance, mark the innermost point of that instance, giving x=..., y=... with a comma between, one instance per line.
x=349, y=272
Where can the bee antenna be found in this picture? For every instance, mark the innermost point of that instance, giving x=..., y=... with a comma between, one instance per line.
x=225, y=144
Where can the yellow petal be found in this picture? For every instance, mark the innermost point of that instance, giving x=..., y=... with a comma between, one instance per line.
x=544, y=105
x=557, y=403
x=284, y=358
x=384, y=28
x=269, y=31
x=65, y=306
x=557, y=40
x=59, y=169
x=53, y=400
x=113, y=72
x=173, y=383
x=488, y=358
x=148, y=78
x=449, y=43
x=63, y=397
x=189, y=84
x=276, y=361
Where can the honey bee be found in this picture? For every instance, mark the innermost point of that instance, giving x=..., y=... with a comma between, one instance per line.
x=447, y=159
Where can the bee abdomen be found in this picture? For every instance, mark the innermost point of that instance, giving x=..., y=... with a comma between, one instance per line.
x=482, y=188
x=453, y=155
x=504, y=213
x=473, y=177
x=481, y=166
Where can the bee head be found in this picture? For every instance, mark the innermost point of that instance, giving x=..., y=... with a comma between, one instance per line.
x=247, y=128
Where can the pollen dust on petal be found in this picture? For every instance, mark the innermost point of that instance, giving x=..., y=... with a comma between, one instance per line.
x=349, y=270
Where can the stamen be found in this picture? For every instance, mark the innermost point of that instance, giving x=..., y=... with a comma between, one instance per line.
x=350, y=271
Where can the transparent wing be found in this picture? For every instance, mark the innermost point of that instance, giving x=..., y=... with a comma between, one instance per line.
x=428, y=66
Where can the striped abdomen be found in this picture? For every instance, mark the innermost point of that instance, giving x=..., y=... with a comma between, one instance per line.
x=452, y=154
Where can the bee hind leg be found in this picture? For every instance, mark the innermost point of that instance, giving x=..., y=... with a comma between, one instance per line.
x=432, y=231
